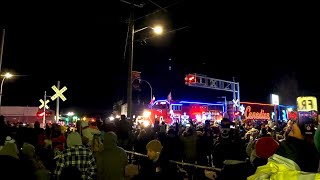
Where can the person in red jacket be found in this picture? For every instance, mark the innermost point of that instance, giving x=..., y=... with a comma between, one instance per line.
x=58, y=139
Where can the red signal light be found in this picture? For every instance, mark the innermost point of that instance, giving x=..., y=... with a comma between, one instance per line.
x=190, y=78
x=41, y=113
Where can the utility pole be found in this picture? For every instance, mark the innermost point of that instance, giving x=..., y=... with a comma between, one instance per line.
x=130, y=51
x=1, y=50
x=234, y=93
x=44, y=109
x=57, y=105
x=130, y=62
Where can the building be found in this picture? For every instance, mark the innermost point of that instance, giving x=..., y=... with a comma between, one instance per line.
x=25, y=114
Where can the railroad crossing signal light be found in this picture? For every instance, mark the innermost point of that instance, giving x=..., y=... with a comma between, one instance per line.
x=237, y=113
x=190, y=78
x=41, y=113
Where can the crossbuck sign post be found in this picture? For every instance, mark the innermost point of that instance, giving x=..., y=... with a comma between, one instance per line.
x=58, y=94
x=44, y=105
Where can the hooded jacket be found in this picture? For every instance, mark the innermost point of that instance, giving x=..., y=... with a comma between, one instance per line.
x=33, y=168
x=111, y=162
x=10, y=162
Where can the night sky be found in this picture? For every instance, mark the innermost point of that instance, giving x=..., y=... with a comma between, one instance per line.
x=267, y=49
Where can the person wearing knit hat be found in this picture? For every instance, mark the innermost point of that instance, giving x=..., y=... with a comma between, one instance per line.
x=10, y=164
x=33, y=167
x=8, y=139
x=10, y=149
x=76, y=155
x=28, y=150
x=158, y=165
x=154, y=148
x=74, y=139
x=266, y=147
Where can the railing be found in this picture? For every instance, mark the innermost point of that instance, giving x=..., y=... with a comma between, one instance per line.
x=181, y=163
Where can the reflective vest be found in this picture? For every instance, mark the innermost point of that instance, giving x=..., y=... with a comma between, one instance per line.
x=281, y=168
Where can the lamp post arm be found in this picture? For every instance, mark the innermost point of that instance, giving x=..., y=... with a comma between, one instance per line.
x=2, y=85
x=150, y=89
x=141, y=29
x=1, y=93
x=148, y=84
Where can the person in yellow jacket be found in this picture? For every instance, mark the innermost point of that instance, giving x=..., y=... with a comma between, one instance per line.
x=296, y=158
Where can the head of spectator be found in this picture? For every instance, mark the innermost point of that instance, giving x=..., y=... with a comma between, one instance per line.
x=154, y=148
x=74, y=139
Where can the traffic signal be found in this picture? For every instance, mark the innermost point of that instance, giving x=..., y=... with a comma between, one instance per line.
x=190, y=78
x=136, y=75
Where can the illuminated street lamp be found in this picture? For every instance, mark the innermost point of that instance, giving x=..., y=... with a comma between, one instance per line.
x=156, y=30
x=6, y=76
x=70, y=114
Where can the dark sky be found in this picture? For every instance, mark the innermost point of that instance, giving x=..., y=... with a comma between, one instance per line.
x=266, y=49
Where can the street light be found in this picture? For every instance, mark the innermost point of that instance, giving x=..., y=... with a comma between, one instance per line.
x=157, y=30
x=6, y=76
x=70, y=114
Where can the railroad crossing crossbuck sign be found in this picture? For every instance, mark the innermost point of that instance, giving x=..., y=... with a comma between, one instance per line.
x=44, y=104
x=59, y=93
x=236, y=103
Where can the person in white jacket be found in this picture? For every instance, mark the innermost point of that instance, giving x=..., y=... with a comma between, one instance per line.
x=89, y=131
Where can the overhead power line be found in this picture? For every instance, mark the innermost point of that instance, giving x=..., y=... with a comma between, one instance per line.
x=136, y=5
x=159, y=10
x=157, y=5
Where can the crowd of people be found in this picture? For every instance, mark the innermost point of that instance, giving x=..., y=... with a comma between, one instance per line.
x=96, y=150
